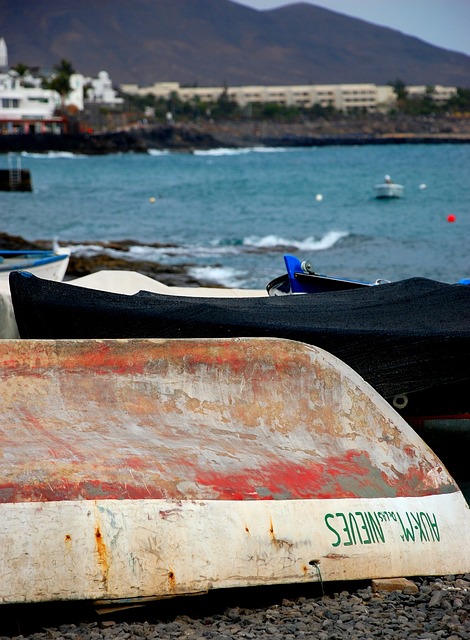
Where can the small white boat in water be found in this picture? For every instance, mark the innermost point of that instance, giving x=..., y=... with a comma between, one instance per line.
x=389, y=189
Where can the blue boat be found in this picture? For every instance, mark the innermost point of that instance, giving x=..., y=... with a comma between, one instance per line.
x=301, y=278
x=51, y=264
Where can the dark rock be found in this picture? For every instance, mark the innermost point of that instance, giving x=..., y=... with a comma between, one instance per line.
x=187, y=137
x=16, y=243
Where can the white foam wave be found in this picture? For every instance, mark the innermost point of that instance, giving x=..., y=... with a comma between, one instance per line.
x=308, y=244
x=142, y=252
x=154, y=254
x=221, y=151
x=135, y=252
x=225, y=151
x=157, y=152
x=53, y=154
x=218, y=275
x=270, y=149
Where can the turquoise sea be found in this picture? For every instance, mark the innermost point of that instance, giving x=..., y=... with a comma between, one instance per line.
x=232, y=214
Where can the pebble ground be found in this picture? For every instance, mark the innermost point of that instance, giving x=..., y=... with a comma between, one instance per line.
x=437, y=608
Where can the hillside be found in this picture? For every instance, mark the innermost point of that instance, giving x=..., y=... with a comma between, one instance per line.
x=212, y=42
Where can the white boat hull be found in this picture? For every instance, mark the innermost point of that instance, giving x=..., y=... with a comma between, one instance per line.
x=130, y=282
x=119, y=549
x=50, y=268
x=152, y=468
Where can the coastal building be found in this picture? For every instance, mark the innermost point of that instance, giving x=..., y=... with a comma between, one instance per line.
x=343, y=97
x=97, y=90
x=438, y=93
x=3, y=55
x=27, y=108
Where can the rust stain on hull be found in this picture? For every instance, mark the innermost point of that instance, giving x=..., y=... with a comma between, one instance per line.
x=101, y=552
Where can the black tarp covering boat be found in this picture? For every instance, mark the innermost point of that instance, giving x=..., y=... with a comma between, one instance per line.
x=402, y=337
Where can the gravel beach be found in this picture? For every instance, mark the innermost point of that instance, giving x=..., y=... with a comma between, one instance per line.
x=424, y=608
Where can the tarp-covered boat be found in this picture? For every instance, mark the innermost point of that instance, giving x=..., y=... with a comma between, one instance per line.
x=440, y=413
x=45, y=264
x=401, y=337
x=140, y=468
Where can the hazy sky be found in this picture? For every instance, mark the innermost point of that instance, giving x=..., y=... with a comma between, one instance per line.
x=445, y=23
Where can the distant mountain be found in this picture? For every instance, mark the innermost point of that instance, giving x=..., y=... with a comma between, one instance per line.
x=212, y=42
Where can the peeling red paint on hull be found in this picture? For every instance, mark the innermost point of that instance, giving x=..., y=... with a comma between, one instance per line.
x=133, y=468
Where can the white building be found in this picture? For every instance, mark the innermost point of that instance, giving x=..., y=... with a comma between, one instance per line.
x=439, y=94
x=76, y=95
x=98, y=90
x=343, y=97
x=27, y=109
x=3, y=54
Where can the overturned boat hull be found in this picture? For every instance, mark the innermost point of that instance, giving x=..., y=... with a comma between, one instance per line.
x=142, y=468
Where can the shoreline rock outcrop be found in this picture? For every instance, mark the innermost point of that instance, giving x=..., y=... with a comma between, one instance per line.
x=81, y=265
x=187, y=137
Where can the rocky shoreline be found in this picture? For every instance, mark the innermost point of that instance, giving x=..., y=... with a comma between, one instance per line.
x=82, y=265
x=188, y=137
x=421, y=609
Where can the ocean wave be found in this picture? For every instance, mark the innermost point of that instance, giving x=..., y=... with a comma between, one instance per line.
x=52, y=155
x=226, y=151
x=145, y=253
x=218, y=275
x=135, y=253
x=214, y=248
x=221, y=151
x=157, y=152
x=308, y=244
x=270, y=149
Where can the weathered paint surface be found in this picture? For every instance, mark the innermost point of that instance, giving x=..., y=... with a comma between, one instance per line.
x=132, y=468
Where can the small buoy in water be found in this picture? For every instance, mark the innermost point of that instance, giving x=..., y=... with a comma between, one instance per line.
x=423, y=186
x=319, y=197
x=152, y=199
x=451, y=217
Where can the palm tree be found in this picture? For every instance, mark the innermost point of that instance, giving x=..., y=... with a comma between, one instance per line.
x=21, y=69
x=60, y=81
